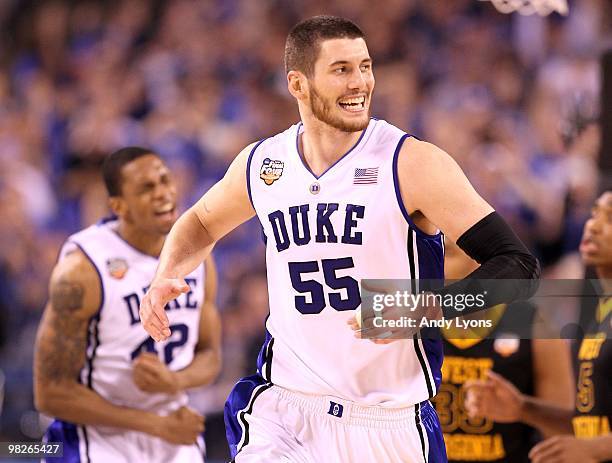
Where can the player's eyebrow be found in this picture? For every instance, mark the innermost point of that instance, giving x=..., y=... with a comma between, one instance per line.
x=339, y=62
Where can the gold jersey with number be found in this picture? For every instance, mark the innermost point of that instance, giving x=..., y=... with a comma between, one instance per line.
x=503, y=351
x=593, y=370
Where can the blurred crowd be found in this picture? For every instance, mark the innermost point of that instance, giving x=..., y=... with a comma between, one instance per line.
x=513, y=98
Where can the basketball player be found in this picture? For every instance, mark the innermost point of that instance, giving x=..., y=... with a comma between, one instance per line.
x=341, y=197
x=540, y=367
x=499, y=400
x=115, y=393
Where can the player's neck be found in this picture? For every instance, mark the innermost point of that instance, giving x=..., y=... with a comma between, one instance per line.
x=145, y=243
x=321, y=145
x=604, y=273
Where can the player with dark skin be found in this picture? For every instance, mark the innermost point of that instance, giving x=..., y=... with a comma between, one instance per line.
x=146, y=210
x=499, y=400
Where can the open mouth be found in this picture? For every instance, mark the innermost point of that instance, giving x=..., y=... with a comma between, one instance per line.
x=353, y=104
x=167, y=211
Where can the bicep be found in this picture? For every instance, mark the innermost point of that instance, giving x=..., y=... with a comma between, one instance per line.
x=227, y=204
x=433, y=183
x=74, y=296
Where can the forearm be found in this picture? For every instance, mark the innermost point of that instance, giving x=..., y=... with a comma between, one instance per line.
x=78, y=404
x=546, y=417
x=201, y=371
x=186, y=246
x=508, y=272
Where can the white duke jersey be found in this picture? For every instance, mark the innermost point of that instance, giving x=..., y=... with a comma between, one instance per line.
x=323, y=235
x=115, y=336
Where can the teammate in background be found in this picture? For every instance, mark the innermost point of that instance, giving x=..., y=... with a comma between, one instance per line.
x=541, y=367
x=499, y=400
x=341, y=197
x=116, y=394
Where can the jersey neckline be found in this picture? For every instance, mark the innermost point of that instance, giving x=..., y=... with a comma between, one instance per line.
x=307, y=167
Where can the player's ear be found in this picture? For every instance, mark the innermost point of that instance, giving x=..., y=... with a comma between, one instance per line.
x=297, y=85
x=117, y=205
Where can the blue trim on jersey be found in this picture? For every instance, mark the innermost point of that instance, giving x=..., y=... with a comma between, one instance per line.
x=434, y=351
x=90, y=360
x=429, y=261
x=297, y=149
x=248, y=170
x=240, y=403
x=61, y=431
x=99, y=277
x=398, y=193
x=431, y=267
x=265, y=356
x=431, y=257
x=95, y=319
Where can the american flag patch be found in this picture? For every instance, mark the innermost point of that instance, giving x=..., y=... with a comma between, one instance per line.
x=365, y=176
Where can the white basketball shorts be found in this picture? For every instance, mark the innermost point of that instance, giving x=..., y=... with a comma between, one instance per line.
x=266, y=423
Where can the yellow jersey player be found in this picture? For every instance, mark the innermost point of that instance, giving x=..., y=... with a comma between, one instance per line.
x=589, y=421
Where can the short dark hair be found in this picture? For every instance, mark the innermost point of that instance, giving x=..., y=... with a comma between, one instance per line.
x=304, y=40
x=113, y=164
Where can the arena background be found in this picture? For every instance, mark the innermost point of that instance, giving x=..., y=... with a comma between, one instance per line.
x=515, y=99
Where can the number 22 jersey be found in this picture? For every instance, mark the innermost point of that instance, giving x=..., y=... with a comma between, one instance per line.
x=115, y=335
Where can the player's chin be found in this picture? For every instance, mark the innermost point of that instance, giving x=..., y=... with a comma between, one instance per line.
x=355, y=122
x=592, y=259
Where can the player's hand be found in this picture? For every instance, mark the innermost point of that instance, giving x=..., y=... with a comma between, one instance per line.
x=151, y=375
x=152, y=308
x=563, y=449
x=495, y=398
x=181, y=427
x=365, y=328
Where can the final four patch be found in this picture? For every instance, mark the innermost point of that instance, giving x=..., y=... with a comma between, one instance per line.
x=271, y=170
x=117, y=267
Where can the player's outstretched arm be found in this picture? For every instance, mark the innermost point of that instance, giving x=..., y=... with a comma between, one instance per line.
x=152, y=375
x=433, y=186
x=75, y=295
x=222, y=208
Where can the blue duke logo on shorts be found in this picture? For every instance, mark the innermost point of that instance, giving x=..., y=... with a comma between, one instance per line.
x=335, y=409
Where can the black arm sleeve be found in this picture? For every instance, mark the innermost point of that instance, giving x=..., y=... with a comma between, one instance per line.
x=508, y=272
